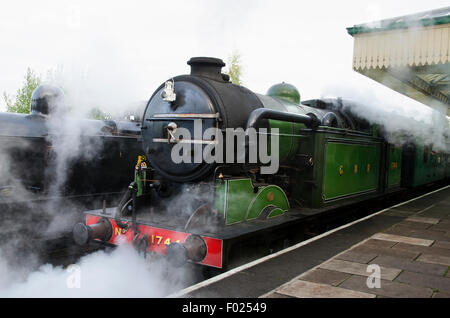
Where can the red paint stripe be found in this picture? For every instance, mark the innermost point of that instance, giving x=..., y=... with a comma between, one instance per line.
x=159, y=239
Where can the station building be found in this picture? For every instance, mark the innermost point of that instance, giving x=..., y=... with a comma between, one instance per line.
x=410, y=54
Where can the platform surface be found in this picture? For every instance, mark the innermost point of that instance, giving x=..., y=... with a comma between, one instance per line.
x=402, y=252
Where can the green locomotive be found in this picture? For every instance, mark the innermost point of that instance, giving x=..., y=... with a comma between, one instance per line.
x=192, y=208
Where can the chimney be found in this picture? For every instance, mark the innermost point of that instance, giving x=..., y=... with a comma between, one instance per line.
x=207, y=67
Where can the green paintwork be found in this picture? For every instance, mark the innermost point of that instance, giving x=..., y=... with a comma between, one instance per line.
x=260, y=201
x=394, y=166
x=375, y=130
x=239, y=196
x=285, y=91
x=321, y=184
x=312, y=161
x=219, y=197
x=275, y=212
x=140, y=181
x=140, y=175
x=237, y=201
x=350, y=169
x=398, y=23
x=429, y=166
x=289, y=138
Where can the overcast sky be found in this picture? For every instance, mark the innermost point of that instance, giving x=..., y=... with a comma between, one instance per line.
x=115, y=52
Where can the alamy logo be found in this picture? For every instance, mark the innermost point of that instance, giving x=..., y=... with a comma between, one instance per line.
x=74, y=278
x=250, y=145
x=374, y=279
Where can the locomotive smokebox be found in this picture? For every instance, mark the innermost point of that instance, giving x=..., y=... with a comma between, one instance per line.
x=205, y=96
x=82, y=234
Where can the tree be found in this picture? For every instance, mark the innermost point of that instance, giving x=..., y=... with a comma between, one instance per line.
x=235, y=68
x=99, y=114
x=22, y=101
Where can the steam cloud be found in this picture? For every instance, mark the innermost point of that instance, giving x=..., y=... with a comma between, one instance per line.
x=67, y=130
x=118, y=273
x=402, y=118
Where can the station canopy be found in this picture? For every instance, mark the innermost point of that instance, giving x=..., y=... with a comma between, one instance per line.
x=410, y=54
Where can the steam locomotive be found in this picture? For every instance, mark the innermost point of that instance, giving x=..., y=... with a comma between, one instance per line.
x=192, y=209
x=50, y=162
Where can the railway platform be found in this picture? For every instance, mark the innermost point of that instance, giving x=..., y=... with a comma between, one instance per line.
x=402, y=251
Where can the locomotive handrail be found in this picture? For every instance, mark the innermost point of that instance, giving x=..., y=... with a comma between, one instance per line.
x=310, y=120
x=186, y=115
x=176, y=116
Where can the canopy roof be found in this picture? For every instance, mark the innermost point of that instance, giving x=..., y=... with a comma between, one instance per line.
x=410, y=54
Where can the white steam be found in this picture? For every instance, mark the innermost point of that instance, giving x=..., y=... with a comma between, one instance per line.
x=119, y=273
x=400, y=116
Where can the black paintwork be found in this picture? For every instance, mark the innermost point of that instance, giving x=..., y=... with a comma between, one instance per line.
x=101, y=158
x=204, y=91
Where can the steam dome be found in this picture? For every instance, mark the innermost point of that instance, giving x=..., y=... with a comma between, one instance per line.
x=285, y=91
x=45, y=98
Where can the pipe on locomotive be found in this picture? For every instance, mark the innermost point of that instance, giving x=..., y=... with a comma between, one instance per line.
x=259, y=114
x=310, y=120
